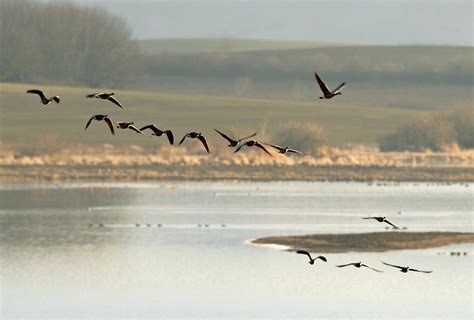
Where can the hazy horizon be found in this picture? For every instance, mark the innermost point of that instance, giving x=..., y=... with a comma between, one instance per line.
x=352, y=22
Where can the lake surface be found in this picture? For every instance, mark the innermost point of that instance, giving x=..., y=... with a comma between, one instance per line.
x=74, y=250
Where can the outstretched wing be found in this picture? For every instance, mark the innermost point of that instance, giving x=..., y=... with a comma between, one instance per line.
x=135, y=129
x=170, y=136
x=322, y=258
x=364, y=265
x=56, y=99
x=38, y=92
x=258, y=144
x=322, y=85
x=416, y=270
x=392, y=265
x=294, y=151
x=248, y=137
x=344, y=265
x=92, y=95
x=305, y=253
x=369, y=218
x=152, y=127
x=182, y=140
x=225, y=136
x=339, y=88
x=115, y=101
x=386, y=221
x=204, y=142
x=89, y=122
x=275, y=146
x=239, y=147
x=111, y=126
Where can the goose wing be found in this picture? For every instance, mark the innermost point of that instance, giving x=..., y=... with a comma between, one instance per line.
x=204, y=142
x=170, y=136
x=339, y=88
x=416, y=270
x=151, y=127
x=226, y=136
x=248, y=137
x=115, y=101
x=345, y=265
x=239, y=147
x=38, y=92
x=305, y=253
x=364, y=265
x=392, y=265
x=89, y=122
x=294, y=151
x=110, y=124
x=56, y=99
x=259, y=145
x=322, y=85
x=275, y=146
x=386, y=221
x=92, y=95
x=369, y=218
x=322, y=258
x=182, y=140
x=135, y=129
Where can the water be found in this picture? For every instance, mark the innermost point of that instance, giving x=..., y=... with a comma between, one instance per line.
x=74, y=250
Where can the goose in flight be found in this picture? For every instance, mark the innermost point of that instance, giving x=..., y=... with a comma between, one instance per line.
x=158, y=132
x=357, y=265
x=43, y=98
x=405, y=269
x=311, y=260
x=106, y=96
x=128, y=125
x=233, y=142
x=101, y=117
x=196, y=135
x=328, y=94
x=284, y=150
x=382, y=219
x=252, y=143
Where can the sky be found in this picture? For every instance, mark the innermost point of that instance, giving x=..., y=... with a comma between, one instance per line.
x=441, y=22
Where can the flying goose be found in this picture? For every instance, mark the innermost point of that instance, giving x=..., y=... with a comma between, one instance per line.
x=196, y=135
x=324, y=88
x=284, y=150
x=357, y=265
x=105, y=96
x=128, y=125
x=405, y=269
x=382, y=219
x=252, y=143
x=233, y=142
x=101, y=117
x=157, y=132
x=44, y=100
x=311, y=260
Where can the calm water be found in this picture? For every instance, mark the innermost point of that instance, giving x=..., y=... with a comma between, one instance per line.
x=58, y=261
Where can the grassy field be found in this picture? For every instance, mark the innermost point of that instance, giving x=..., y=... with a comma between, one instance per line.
x=28, y=124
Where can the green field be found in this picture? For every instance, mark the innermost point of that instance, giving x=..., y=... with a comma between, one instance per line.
x=28, y=124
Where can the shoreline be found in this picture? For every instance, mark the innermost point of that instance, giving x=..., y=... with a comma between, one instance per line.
x=367, y=242
x=17, y=174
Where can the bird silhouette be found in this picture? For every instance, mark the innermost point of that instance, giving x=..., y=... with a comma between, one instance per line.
x=106, y=96
x=43, y=98
x=284, y=150
x=328, y=94
x=357, y=265
x=311, y=260
x=405, y=269
x=382, y=219
x=101, y=117
x=128, y=125
x=196, y=135
x=158, y=132
x=252, y=143
x=233, y=142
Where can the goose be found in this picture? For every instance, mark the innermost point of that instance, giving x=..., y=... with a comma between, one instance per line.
x=106, y=96
x=196, y=135
x=158, y=132
x=327, y=94
x=44, y=100
x=101, y=117
x=357, y=265
x=128, y=125
x=233, y=142
x=382, y=219
x=252, y=143
x=405, y=269
x=311, y=260
x=284, y=150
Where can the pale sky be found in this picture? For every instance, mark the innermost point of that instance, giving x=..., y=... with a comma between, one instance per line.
x=446, y=22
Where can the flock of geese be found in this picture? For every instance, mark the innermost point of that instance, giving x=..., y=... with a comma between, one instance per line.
x=238, y=144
